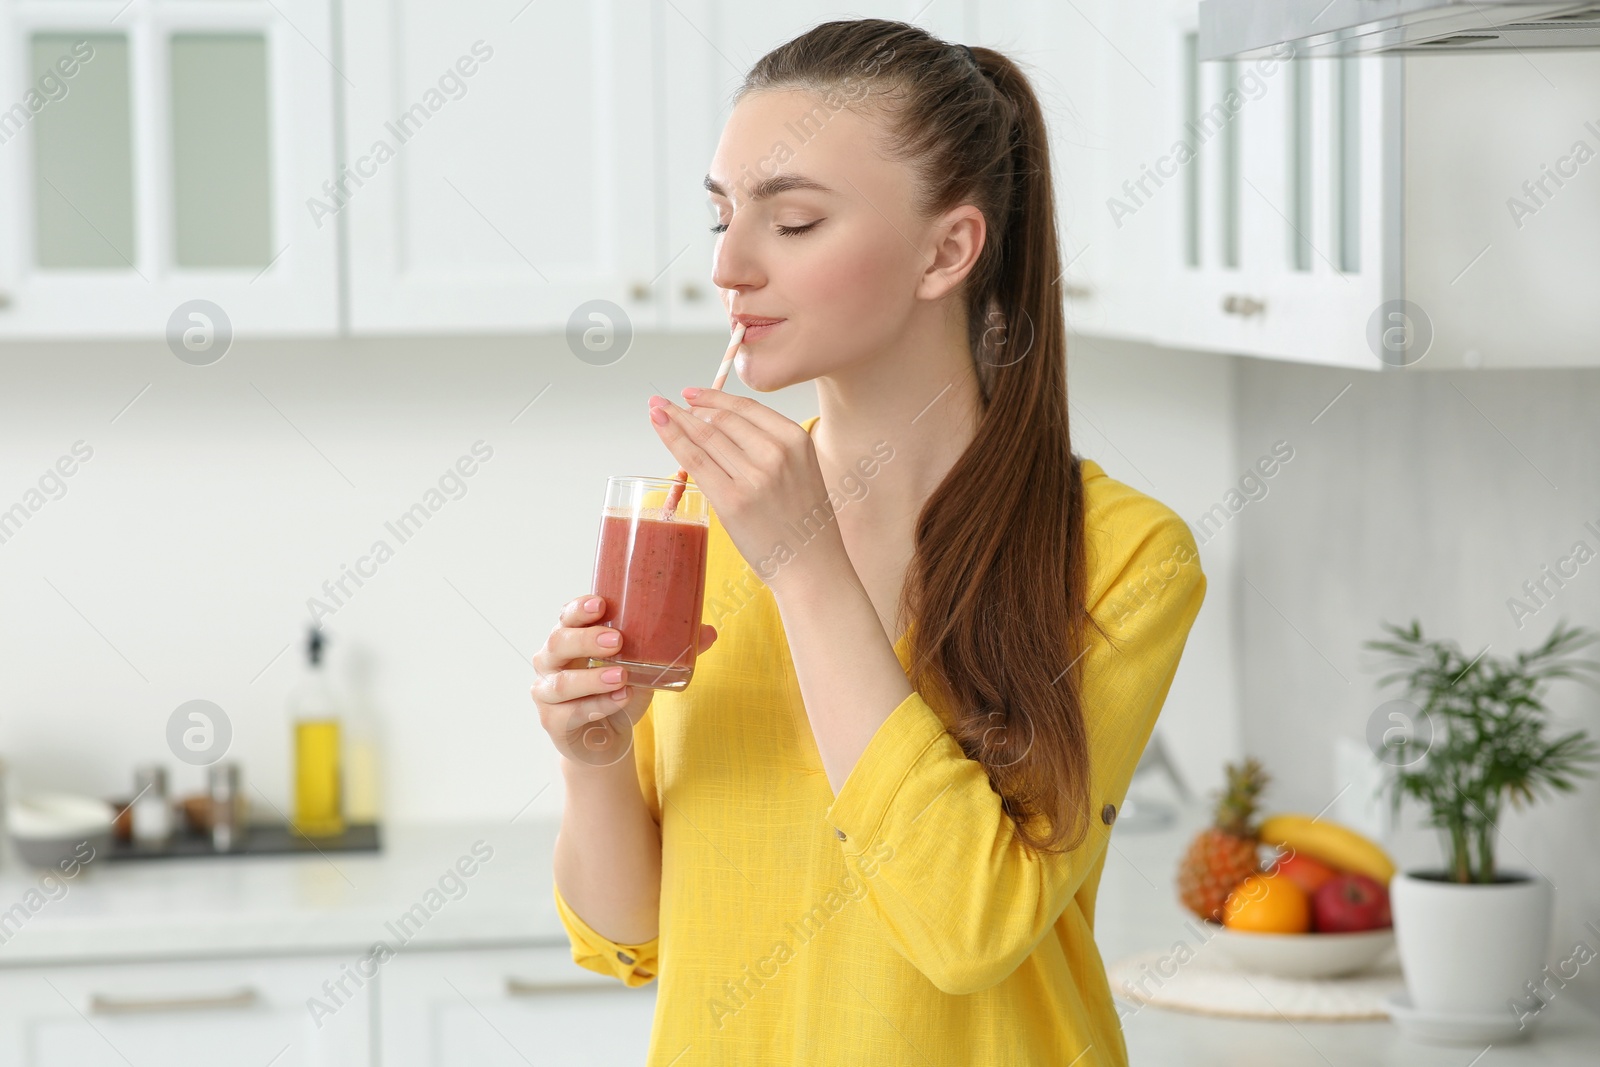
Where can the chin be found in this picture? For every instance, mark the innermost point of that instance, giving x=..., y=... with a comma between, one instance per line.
x=763, y=374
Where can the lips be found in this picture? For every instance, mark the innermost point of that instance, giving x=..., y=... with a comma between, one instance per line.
x=755, y=320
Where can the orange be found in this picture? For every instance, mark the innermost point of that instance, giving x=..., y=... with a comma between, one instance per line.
x=1268, y=904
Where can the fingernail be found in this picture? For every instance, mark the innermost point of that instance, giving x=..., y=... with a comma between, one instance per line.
x=610, y=639
x=619, y=695
x=592, y=604
x=691, y=392
x=657, y=401
x=659, y=416
x=613, y=675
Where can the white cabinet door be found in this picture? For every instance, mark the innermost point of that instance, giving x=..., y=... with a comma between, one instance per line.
x=700, y=71
x=1503, y=207
x=1062, y=51
x=1129, y=127
x=502, y=165
x=1321, y=173
x=511, y=1007
x=189, y=1014
x=156, y=154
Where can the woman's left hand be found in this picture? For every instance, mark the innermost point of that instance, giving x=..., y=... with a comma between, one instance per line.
x=759, y=470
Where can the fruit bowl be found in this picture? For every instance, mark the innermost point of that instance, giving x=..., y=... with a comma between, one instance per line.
x=1302, y=955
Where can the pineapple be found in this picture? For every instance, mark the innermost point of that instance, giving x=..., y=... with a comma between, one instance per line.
x=1224, y=855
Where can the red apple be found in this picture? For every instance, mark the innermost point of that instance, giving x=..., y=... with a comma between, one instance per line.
x=1305, y=872
x=1350, y=902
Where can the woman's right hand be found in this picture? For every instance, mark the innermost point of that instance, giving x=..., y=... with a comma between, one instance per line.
x=589, y=718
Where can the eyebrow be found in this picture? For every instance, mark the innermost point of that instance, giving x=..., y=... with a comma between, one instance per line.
x=770, y=187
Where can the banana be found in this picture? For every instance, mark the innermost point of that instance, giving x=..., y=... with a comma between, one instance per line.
x=1338, y=846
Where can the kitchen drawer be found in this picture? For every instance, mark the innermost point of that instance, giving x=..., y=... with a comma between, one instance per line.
x=511, y=1007
x=199, y=1013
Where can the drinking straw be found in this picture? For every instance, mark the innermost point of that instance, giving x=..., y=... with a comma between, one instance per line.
x=676, y=493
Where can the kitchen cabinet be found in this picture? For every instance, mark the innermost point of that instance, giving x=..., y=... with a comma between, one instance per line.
x=1501, y=238
x=509, y=1006
x=307, y=169
x=156, y=154
x=503, y=164
x=182, y=1014
x=1238, y=197
x=1369, y=212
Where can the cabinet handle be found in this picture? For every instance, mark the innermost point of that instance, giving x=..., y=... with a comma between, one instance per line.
x=1243, y=306
x=521, y=987
x=691, y=292
x=103, y=1005
x=640, y=291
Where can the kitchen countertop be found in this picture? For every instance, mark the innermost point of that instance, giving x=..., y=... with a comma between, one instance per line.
x=279, y=905
x=344, y=902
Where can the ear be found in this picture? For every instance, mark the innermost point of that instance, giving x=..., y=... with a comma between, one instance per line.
x=957, y=240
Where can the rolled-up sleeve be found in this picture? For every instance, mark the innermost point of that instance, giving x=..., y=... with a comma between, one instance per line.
x=633, y=965
x=947, y=877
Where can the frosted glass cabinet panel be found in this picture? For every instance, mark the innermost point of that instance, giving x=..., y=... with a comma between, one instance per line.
x=83, y=156
x=221, y=169
x=155, y=154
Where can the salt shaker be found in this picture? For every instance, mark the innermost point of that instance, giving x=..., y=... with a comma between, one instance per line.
x=152, y=814
x=226, y=804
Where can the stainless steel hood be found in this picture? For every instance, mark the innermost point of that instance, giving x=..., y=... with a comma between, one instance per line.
x=1250, y=28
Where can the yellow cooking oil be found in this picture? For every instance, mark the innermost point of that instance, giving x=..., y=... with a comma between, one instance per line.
x=318, y=796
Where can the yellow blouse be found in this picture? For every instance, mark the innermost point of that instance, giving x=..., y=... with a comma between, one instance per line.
x=899, y=922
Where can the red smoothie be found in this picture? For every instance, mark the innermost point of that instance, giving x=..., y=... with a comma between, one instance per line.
x=652, y=575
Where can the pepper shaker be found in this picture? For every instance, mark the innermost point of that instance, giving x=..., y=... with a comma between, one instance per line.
x=226, y=804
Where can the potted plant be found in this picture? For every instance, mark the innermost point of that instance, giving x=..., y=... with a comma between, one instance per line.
x=1472, y=935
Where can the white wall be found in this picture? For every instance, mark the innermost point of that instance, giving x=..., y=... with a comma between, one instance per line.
x=179, y=562
x=1430, y=496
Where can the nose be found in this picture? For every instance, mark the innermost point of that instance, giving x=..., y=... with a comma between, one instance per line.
x=734, y=263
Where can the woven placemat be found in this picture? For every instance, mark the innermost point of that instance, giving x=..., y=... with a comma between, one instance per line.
x=1206, y=983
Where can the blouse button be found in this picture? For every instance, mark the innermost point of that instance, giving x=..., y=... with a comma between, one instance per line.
x=1108, y=814
x=624, y=957
x=838, y=833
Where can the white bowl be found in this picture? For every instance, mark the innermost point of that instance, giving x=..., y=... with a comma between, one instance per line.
x=1303, y=955
x=54, y=830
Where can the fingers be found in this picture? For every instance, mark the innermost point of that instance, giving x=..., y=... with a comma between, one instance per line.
x=577, y=636
x=700, y=448
x=759, y=445
x=582, y=611
x=742, y=409
x=572, y=683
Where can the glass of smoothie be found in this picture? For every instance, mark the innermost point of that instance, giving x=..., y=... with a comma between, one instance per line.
x=650, y=566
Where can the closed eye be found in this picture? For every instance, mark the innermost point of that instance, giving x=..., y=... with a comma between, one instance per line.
x=784, y=231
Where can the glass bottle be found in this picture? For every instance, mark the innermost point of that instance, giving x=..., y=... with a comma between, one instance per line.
x=318, y=777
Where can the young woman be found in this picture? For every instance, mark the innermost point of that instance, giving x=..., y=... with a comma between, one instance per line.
x=872, y=828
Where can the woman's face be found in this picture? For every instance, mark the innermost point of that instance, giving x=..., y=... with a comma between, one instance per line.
x=844, y=265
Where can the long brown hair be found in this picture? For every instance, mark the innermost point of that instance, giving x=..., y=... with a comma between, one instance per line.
x=997, y=581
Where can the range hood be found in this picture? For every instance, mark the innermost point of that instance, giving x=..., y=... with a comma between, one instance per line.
x=1241, y=29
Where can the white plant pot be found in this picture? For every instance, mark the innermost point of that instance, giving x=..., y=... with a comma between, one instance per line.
x=1471, y=948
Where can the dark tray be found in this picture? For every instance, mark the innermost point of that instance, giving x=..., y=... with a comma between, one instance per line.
x=256, y=839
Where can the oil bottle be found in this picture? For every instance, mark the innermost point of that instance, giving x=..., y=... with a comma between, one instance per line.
x=318, y=774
